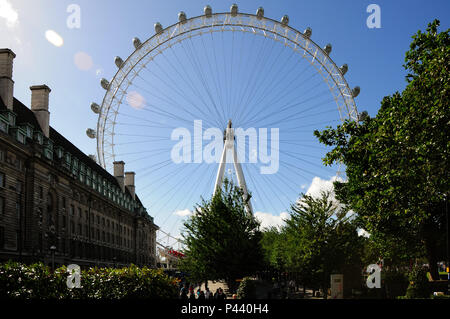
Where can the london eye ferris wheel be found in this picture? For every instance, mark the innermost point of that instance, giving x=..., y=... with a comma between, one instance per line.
x=221, y=72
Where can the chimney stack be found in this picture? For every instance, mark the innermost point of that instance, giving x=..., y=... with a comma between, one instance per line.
x=6, y=82
x=129, y=183
x=39, y=106
x=118, y=173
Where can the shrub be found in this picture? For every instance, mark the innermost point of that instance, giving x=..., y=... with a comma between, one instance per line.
x=396, y=283
x=37, y=281
x=247, y=289
x=418, y=286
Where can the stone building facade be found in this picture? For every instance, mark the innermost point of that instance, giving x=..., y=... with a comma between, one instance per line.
x=56, y=203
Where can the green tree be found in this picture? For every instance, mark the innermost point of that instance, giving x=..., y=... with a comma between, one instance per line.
x=274, y=247
x=397, y=164
x=222, y=239
x=321, y=238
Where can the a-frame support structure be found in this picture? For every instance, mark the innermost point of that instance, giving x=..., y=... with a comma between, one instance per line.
x=229, y=145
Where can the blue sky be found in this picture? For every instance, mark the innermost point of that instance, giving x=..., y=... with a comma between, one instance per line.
x=374, y=56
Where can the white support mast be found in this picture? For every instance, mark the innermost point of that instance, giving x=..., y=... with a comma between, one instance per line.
x=229, y=145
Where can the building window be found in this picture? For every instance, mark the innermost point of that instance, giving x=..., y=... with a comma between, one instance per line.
x=19, y=187
x=3, y=126
x=2, y=205
x=40, y=242
x=2, y=179
x=2, y=155
x=39, y=137
x=80, y=213
x=50, y=207
x=21, y=137
x=72, y=227
x=75, y=166
x=19, y=164
x=17, y=239
x=72, y=210
x=64, y=221
x=29, y=131
x=48, y=153
x=79, y=230
x=67, y=159
x=59, y=152
x=2, y=237
x=18, y=210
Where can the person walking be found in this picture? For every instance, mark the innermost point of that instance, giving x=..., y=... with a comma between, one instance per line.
x=221, y=295
x=183, y=293
x=208, y=294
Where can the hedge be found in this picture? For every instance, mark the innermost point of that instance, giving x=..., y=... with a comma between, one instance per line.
x=37, y=281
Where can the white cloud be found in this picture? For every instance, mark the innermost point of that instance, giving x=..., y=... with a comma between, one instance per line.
x=54, y=38
x=319, y=185
x=183, y=213
x=8, y=13
x=268, y=220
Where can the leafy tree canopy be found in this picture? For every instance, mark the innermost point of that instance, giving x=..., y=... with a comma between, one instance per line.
x=222, y=239
x=397, y=163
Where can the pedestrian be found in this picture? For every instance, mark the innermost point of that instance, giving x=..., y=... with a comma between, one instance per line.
x=291, y=286
x=216, y=294
x=183, y=294
x=192, y=296
x=208, y=294
x=198, y=292
x=183, y=291
x=221, y=295
x=191, y=289
x=276, y=288
x=201, y=296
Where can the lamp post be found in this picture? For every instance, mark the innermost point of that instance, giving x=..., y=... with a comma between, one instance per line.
x=447, y=263
x=53, y=250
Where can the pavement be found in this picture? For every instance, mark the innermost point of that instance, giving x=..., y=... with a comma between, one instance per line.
x=264, y=290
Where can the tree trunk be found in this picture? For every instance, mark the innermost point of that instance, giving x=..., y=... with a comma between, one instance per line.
x=432, y=260
x=431, y=249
